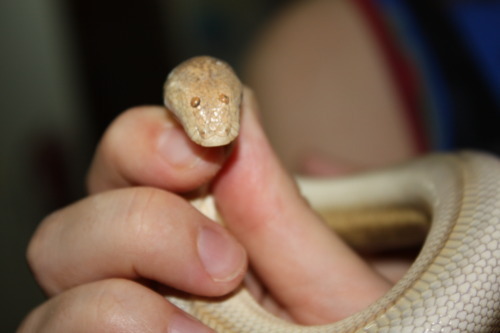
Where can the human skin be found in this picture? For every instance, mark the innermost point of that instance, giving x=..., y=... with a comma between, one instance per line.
x=102, y=259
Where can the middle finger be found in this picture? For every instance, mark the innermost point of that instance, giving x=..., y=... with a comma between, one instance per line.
x=136, y=233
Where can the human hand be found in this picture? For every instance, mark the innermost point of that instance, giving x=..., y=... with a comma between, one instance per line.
x=91, y=256
x=97, y=259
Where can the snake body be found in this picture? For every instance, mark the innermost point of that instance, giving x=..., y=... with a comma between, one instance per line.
x=453, y=285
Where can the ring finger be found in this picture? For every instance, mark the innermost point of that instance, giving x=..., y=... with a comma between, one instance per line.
x=109, y=306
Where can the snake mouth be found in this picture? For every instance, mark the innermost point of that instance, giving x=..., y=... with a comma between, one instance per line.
x=219, y=137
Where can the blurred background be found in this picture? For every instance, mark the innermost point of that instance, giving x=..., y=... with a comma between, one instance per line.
x=343, y=85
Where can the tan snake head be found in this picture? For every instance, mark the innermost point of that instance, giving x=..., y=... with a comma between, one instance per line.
x=205, y=94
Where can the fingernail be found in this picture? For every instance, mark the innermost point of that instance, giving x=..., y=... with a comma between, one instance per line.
x=181, y=323
x=176, y=147
x=221, y=256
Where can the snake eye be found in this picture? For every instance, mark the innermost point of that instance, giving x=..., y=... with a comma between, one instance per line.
x=195, y=102
x=224, y=99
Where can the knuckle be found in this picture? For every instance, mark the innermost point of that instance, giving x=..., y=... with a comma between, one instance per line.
x=36, y=252
x=119, y=129
x=110, y=305
x=149, y=216
x=108, y=154
x=115, y=307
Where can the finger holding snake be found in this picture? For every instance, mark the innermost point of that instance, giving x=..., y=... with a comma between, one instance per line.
x=252, y=159
x=149, y=159
x=95, y=258
x=288, y=245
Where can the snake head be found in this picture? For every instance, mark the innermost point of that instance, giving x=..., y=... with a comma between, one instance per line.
x=204, y=94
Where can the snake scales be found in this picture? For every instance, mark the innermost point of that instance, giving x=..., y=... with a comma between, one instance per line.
x=453, y=285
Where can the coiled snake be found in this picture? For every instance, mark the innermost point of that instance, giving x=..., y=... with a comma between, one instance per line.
x=453, y=285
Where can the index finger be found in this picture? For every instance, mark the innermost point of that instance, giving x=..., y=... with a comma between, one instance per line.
x=146, y=146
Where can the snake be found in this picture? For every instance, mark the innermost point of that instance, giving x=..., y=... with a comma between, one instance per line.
x=452, y=286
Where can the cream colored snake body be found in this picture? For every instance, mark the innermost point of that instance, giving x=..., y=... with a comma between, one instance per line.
x=453, y=285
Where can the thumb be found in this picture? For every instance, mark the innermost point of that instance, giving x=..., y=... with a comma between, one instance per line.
x=306, y=268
